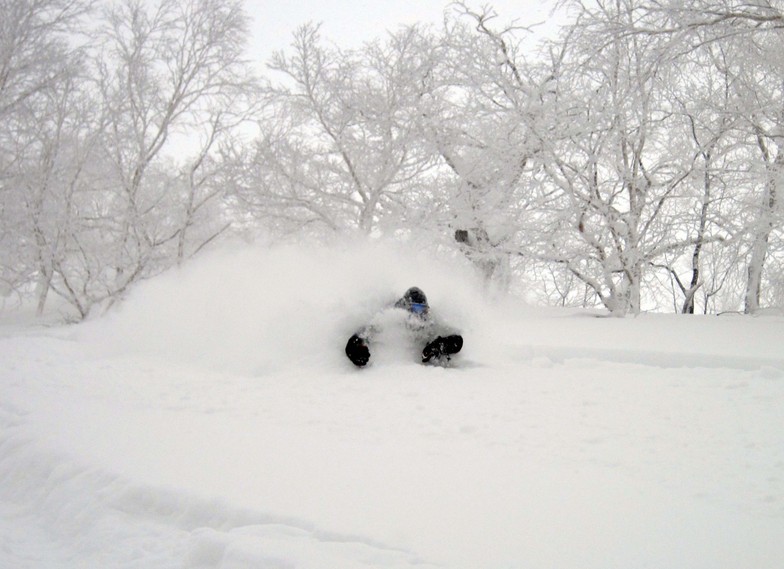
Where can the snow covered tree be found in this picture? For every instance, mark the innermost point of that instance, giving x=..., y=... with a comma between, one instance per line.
x=749, y=37
x=701, y=94
x=33, y=47
x=634, y=162
x=338, y=148
x=39, y=153
x=108, y=152
x=481, y=118
x=610, y=161
x=164, y=73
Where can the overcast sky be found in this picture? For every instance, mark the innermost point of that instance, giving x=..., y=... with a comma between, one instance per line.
x=348, y=23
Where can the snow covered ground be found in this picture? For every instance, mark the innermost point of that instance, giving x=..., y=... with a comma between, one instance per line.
x=212, y=421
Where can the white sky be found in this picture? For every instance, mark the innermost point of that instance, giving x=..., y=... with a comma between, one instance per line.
x=348, y=23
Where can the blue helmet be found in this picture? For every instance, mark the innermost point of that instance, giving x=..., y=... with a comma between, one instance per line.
x=414, y=300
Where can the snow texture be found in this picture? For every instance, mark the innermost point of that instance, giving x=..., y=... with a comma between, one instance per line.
x=213, y=421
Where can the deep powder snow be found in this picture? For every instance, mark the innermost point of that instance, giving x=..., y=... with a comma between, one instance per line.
x=212, y=421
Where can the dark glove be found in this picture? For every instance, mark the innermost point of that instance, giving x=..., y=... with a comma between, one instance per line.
x=357, y=351
x=442, y=346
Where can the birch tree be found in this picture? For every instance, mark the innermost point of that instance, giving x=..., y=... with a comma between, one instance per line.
x=750, y=34
x=164, y=72
x=611, y=161
x=702, y=94
x=33, y=47
x=339, y=148
x=39, y=69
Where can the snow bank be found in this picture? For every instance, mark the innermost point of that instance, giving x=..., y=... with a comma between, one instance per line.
x=257, y=311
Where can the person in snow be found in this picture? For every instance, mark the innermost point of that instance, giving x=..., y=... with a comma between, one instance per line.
x=438, y=342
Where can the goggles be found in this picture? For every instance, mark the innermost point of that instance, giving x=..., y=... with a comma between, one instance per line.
x=418, y=308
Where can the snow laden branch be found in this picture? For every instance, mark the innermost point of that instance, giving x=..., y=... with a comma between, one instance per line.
x=631, y=161
x=342, y=150
x=116, y=194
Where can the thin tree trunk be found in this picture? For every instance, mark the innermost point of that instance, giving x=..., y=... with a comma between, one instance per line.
x=762, y=230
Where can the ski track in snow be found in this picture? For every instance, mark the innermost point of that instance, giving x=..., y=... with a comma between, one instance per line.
x=555, y=440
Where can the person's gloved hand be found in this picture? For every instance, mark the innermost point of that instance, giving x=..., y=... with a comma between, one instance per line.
x=432, y=350
x=442, y=346
x=357, y=351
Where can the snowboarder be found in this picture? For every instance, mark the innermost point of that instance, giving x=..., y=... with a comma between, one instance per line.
x=439, y=342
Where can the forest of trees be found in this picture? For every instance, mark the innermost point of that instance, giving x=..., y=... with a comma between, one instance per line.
x=632, y=161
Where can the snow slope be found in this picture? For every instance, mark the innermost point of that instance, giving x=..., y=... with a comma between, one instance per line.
x=212, y=421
